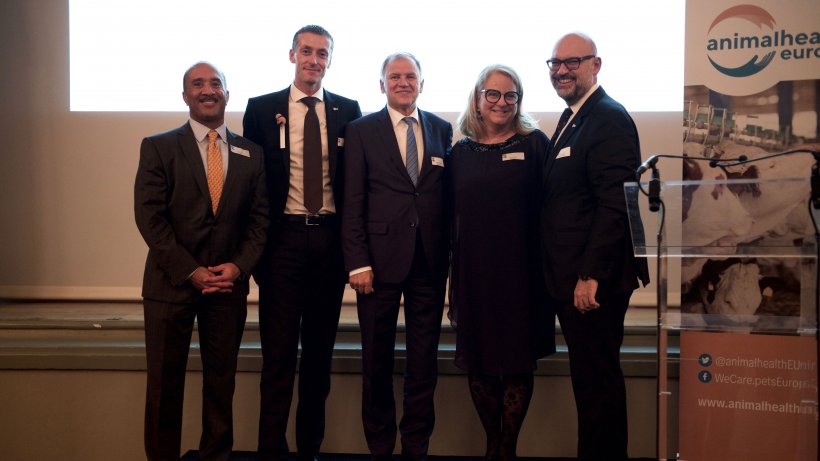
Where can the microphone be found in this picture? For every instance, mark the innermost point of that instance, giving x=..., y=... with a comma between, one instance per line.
x=647, y=164
x=655, y=190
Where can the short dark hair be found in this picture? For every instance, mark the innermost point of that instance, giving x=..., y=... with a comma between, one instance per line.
x=312, y=29
x=205, y=63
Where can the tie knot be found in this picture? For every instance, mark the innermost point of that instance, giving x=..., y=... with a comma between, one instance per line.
x=566, y=114
x=212, y=135
x=309, y=101
x=409, y=121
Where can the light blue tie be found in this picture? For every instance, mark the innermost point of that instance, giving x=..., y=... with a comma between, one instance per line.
x=412, y=151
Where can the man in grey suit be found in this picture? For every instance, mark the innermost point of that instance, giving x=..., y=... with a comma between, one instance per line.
x=201, y=205
x=301, y=276
x=395, y=242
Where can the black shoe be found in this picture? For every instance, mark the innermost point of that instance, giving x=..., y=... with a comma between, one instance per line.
x=381, y=458
x=300, y=457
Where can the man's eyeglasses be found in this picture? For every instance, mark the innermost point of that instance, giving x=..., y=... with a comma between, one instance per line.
x=571, y=63
x=493, y=96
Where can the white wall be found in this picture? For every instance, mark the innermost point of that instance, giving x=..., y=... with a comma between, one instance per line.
x=66, y=179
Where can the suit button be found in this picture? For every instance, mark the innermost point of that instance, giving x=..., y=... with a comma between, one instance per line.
x=416, y=194
x=412, y=224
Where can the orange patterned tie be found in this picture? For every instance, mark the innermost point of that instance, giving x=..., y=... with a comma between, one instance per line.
x=214, y=170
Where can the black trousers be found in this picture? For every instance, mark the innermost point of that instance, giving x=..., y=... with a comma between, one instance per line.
x=594, y=342
x=300, y=299
x=168, y=329
x=378, y=313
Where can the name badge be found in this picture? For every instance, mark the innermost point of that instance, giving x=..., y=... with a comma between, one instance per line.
x=512, y=156
x=340, y=142
x=563, y=153
x=437, y=161
x=240, y=151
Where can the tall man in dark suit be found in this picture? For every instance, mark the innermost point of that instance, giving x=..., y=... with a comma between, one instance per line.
x=395, y=234
x=301, y=275
x=201, y=205
x=590, y=268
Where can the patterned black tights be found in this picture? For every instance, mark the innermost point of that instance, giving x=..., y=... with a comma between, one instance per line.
x=502, y=403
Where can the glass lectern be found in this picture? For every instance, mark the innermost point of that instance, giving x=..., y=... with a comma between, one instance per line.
x=737, y=356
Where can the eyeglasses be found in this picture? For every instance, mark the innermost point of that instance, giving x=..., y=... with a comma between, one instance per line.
x=571, y=63
x=493, y=96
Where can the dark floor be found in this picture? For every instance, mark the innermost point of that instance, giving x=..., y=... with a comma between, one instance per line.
x=251, y=456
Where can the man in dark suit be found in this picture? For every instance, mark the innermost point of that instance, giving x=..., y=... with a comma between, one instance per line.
x=301, y=275
x=394, y=236
x=589, y=265
x=201, y=205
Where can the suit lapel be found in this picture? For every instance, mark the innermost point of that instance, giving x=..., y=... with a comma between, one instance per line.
x=190, y=150
x=426, y=134
x=234, y=171
x=391, y=144
x=573, y=126
x=563, y=141
x=332, y=122
x=280, y=106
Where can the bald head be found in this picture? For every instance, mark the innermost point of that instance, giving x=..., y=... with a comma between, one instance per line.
x=577, y=41
x=573, y=50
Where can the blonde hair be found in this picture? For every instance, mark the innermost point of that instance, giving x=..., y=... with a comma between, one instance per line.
x=470, y=122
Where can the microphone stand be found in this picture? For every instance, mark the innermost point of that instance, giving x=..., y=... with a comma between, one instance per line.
x=661, y=341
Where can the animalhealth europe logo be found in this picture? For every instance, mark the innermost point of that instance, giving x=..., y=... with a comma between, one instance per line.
x=744, y=39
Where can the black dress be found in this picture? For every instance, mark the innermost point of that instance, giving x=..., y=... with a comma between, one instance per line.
x=503, y=324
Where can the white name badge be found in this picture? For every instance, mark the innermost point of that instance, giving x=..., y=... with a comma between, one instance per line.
x=512, y=156
x=240, y=151
x=563, y=153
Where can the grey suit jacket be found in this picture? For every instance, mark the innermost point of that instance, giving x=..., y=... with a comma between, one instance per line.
x=172, y=206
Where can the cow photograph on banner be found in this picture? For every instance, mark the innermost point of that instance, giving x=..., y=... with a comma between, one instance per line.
x=748, y=386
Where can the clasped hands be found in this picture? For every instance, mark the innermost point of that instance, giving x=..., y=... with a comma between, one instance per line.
x=215, y=279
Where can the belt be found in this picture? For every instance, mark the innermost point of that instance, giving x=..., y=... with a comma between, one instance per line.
x=311, y=219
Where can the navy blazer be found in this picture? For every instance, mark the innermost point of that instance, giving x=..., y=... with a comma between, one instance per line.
x=259, y=125
x=585, y=228
x=384, y=213
x=172, y=208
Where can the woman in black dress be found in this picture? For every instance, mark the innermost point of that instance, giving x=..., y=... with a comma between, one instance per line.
x=496, y=292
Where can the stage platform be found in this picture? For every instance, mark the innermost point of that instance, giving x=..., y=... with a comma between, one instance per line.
x=109, y=336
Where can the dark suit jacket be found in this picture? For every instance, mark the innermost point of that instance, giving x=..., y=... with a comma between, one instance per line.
x=173, y=212
x=259, y=125
x=585, y=229
x=384, y=212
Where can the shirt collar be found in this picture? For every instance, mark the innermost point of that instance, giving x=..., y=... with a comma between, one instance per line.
x=396, y=116
x=577, y=106
x=201, y=131
x=296, y=94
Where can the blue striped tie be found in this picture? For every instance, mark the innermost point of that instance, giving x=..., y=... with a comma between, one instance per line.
x=412, y=151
